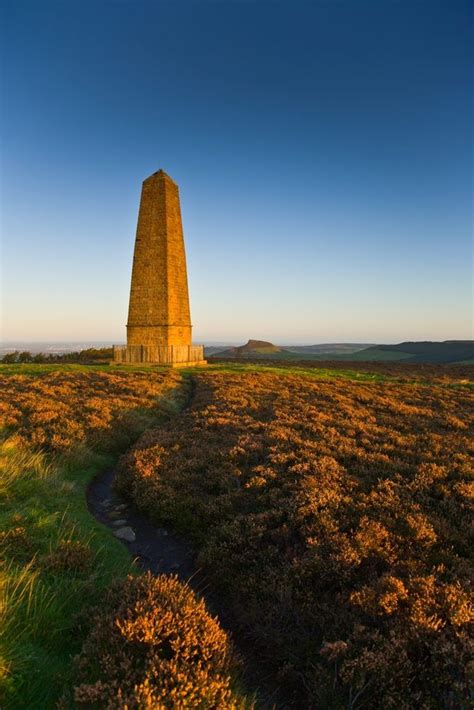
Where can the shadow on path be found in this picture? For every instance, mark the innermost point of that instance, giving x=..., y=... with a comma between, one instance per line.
x=154, y=548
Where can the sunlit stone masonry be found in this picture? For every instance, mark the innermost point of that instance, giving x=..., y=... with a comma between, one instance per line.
x=159, y=322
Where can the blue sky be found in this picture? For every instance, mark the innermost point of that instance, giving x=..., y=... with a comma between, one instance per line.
x=323, y=152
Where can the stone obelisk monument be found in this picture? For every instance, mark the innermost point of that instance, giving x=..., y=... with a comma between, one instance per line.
x=159, y=322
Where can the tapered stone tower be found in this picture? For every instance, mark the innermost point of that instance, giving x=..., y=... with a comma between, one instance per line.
x=159, y=322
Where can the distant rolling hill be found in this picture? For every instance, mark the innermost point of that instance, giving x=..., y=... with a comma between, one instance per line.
x=422, y=351
x=449, y=351
x=328, y=348
x=210, y=350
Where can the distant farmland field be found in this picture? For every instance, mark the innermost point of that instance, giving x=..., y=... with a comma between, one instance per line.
x=334, y=518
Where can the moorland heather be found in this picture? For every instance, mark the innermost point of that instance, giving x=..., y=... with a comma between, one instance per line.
x=334, y=517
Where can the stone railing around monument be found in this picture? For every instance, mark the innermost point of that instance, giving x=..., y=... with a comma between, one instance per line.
x=173, y=355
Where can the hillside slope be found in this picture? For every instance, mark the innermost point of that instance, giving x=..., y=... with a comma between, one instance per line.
x=423, y=351
x=328, y=348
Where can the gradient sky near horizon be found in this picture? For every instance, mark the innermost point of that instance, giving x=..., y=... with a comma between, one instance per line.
x=323, y=152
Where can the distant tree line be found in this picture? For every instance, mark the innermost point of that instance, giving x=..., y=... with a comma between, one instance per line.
x=89, y=356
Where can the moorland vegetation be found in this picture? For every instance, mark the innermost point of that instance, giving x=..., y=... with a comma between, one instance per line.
x=60, y=425
x=335, y=517
x=153, y=644
x=330, y=509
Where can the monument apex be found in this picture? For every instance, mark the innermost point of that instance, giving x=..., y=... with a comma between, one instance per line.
x=159, y=322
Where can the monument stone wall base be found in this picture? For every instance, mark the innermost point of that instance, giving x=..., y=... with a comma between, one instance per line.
x=169, y=355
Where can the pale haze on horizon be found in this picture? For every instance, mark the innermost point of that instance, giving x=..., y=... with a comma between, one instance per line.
x=323, y=153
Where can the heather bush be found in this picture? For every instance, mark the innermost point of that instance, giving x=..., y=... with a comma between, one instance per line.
x=153, y=644
x=59, y=409
x=69, y=556
x=336, y=518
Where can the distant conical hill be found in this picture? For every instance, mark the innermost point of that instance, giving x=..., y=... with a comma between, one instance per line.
x=253, y=348
x=259, y=346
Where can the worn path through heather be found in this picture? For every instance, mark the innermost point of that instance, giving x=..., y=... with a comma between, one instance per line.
x=154, y=548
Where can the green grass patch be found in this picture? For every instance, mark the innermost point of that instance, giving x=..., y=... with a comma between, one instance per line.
x=44, y=508
x=315, y=373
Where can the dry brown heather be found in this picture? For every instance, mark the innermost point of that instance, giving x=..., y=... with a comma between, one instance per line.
x=153, y=645
x=60, y=409
x=336, y=518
